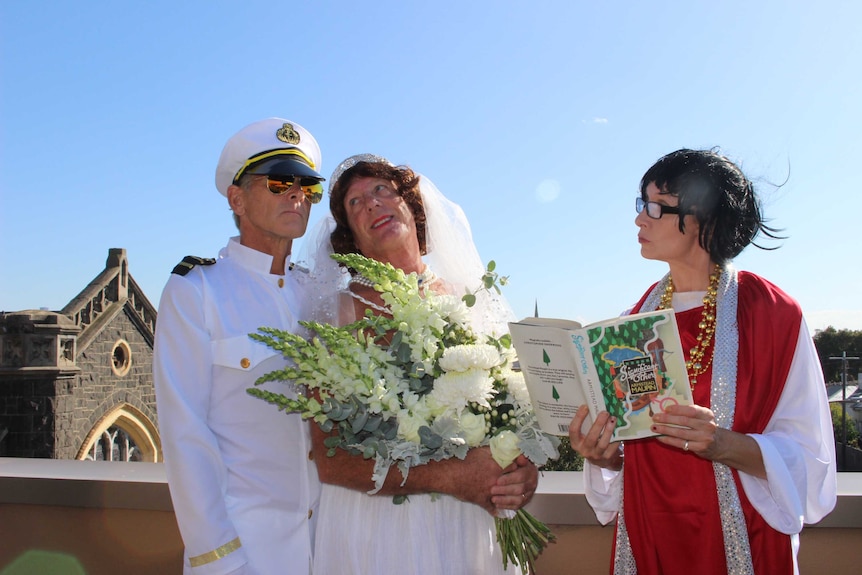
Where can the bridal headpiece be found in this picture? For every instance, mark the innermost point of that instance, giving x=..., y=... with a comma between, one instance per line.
x=352, y=161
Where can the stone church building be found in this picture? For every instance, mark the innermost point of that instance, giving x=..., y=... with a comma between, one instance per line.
x=78, y=383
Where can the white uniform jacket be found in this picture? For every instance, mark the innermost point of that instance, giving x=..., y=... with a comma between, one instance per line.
x=243, y=486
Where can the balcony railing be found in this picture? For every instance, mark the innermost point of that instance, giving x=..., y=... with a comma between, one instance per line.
x=89, y=517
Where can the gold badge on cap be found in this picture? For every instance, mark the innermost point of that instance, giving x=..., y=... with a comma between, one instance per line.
x=288, y=134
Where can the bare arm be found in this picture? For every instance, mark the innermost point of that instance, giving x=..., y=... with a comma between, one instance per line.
x=477, y=479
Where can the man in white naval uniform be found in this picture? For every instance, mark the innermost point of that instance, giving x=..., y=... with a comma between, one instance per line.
x=243, y=486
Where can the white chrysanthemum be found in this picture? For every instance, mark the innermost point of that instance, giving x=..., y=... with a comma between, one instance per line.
x=464, y=357
x=455, y=389
x=453, y=308
x=509, y=355
x=517, y=387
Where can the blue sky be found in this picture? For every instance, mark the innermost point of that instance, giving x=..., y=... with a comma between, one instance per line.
x=539, y=118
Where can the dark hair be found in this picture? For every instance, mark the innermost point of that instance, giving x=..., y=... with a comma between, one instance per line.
x=406, y=185
x=716, y=192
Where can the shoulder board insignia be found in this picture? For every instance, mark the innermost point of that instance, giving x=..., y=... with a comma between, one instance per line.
x=297, y=268
x=190, y=262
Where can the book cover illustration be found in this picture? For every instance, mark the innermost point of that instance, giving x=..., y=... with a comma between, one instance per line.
x=640, y=368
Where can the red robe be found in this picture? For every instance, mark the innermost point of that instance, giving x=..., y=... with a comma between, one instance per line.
x=671, y=505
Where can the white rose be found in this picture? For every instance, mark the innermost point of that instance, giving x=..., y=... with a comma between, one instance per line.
x=504, y=447
x=473, y=427
x=408, y=426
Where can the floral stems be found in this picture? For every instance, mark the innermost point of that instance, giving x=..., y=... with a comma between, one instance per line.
x=522, y=539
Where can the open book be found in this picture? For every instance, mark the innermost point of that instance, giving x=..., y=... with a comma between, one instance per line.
x=630, y=366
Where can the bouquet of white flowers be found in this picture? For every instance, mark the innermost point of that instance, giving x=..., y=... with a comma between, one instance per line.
x=416, y=386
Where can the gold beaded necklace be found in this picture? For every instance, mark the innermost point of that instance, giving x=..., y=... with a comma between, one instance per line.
x=696, y=364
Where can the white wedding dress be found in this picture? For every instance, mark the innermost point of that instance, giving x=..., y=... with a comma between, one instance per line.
x=363, y=534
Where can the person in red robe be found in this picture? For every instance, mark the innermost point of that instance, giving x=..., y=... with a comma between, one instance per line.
x=729, y=483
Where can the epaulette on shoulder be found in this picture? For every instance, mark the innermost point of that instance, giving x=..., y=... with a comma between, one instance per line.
x=297, y=268
x=190, y=262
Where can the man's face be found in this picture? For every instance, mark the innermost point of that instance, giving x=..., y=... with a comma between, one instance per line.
x=267, y=219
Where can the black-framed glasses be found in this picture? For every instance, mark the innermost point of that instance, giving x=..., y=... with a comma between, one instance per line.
x=311, y=187
x=655, y=210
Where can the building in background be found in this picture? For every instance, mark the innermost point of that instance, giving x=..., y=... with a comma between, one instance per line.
x=78, y=383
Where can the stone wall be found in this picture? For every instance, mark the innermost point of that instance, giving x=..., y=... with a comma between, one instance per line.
x=99, y=390
x=27, y=418
x=37, y=349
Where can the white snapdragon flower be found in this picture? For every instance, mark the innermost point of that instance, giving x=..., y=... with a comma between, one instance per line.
x=430, y=344
x=464, y=357
x=381, y=397
x=418, y=405
x=412, y=311
x=393, y=403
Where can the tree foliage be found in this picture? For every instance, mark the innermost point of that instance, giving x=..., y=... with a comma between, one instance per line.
x=569, y=459
x=831, y=342
x=853, y=439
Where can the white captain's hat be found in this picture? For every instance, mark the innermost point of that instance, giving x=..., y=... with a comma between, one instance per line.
x=273, y=147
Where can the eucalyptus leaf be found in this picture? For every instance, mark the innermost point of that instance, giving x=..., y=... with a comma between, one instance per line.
x=429, y=439
x=418, y=369
x=404, y=352
x=369, y=452
x=373, y=423
x=359, y=420
x=389, y=429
